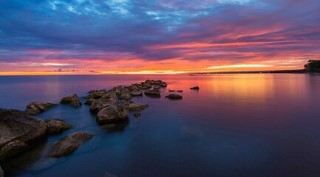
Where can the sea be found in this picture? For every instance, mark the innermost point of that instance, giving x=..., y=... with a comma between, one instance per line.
x=236, y=125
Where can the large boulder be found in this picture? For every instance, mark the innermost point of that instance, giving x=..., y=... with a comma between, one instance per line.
x=56, y=126
x=18, y=125
x=73, y=100
x=34, y=108
x=69, y=144
x=134, y=107
x=98, y=104
x=173, y=96
x=112, y=114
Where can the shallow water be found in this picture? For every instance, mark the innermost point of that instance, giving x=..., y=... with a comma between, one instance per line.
x=257, y=125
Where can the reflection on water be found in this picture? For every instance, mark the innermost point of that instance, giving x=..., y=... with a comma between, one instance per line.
x=234, y=126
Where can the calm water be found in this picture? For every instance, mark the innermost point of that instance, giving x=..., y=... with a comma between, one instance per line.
x=263, y=125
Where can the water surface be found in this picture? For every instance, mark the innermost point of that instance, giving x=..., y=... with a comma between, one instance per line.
x=256, y=125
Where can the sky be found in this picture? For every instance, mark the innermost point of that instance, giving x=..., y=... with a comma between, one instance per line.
x=156, y=36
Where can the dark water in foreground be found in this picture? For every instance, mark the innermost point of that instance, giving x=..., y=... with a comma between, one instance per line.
x=259, y=125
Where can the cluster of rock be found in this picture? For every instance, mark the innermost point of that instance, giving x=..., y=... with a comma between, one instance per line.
x=34, y=108
x=113, y=106
x=19, y=130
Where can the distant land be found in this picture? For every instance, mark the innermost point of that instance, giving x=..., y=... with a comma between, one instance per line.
x=297, y=71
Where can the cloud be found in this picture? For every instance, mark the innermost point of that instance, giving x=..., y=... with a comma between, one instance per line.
x=234, y=31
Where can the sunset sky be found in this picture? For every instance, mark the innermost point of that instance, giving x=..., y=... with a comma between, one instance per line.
x=156, y=36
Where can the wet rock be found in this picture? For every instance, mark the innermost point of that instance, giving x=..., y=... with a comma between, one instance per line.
x=18, y=125
x=34, y=108
x=195, y=88
x=174, y=96
x=69, y=144
x=98, y=104
x=56, y=126
x=73, y=100
x=125, y=96
x=12, y=148
x=1, y=172
x=153, y=93
x=137, y=107
x=136, y=93
x=96, y=94
x=112, y=114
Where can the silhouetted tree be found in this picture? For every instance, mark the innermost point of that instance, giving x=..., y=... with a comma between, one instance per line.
x=312, y=66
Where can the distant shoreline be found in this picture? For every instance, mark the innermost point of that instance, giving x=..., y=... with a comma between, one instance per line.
x=299, y=71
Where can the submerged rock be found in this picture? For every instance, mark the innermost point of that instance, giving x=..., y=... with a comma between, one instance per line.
x=18, y=125
x=195, y=88
x=73, y=100
x=114, y=127
x=34, y=108
x=174, y=97
x=137, y=107
x=56, y=126
x=112, y=114
x=69, y=144
x=136, y=114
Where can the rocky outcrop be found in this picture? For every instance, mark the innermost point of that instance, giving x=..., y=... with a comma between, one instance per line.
x=18, y=128
x=134, y=107
x=112, y=114
x=56, y=126
x=136, y=93
x=73, y=100
x=69, y=144
x=34, y=108
x=174, y=96
x=195, y=88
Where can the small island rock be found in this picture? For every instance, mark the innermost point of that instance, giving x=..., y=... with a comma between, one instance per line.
x=137, y=107
x=56, y=126
x=34, y=108
x=73, y=100
x=112, y=114
x=195, y=88
x=69, y=144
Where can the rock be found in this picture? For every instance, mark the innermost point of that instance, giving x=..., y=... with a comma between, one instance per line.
x=98, y=104
x=18, y=125
x=174, y=96
x=176, y=91
x=69, y=144
x=195, y=88
x=13, y=148
x=152, y=93
x=136, y=114
x=72, y=100
x=137, y=107
x=136, y=93
x=96, y=94
x=125, y=96
x=112, y=114
x=34, y=108
x=56, y=126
